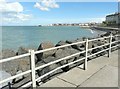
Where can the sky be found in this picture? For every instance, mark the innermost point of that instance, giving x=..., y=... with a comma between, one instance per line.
x=48, y=12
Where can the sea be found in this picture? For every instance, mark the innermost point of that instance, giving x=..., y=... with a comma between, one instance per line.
x=14, y=37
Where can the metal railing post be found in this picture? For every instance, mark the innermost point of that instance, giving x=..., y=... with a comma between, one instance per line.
x=86, y=52
x=110, y=42
x=33, y=67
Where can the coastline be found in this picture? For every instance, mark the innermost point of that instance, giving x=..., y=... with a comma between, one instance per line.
x=93, y=31
x=41, y=34
x=23, y=64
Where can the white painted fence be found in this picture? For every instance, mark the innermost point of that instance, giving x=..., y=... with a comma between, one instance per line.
x=32, y=54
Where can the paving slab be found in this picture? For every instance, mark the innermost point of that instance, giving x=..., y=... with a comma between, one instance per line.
x=113, y=60
x=101, y=72
x=78, y=75
x=106, y=77
x=57, y=83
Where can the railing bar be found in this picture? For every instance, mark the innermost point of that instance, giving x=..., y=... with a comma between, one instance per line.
x=15, y=76
x=115, y=41
x=15, y=57
x=98, y=46
x=58, y=60
x=99, y=38
x=53, y=48
x=116, y=35
x=99, y=52
x=115, y=46
x=58, y=68
x=68, y=64
x=26, y=85
x=28, y=54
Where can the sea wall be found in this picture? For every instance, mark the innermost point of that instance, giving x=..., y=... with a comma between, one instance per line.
x=17, y=66
x=107, y=29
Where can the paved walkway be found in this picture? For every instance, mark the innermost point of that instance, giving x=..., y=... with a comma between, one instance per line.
x=101, y=72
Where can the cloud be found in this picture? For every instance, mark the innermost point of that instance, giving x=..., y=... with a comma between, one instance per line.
x=45, y=5
x=37, y=5
x=15, y=18
x=12, y=12
x=10, y=7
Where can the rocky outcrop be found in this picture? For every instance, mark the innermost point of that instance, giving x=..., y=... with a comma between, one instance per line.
x=24, y=63
x=11, y=66
x=78, y=46
x=7, y=53
x=45, y=45
x=60, y=53
x=47, y=69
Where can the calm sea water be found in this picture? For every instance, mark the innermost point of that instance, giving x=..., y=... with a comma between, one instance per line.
x=31, y=36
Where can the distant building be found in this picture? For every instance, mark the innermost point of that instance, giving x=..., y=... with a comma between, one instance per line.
x=113, y=18
x=73, y=24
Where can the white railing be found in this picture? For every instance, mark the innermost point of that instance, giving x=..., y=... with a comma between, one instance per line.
x=32, y=54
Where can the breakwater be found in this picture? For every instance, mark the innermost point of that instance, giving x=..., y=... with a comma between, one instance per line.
x=107, y=29
x=49, y=56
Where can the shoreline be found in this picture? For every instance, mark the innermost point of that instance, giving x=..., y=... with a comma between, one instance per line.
x=18, y=66
x=31, y=47
x=101, y=32
x=94, y=32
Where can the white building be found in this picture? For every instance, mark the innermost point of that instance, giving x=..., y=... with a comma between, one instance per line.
x=113, y=18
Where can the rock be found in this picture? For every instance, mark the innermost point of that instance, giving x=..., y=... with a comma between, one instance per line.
x=45, y=45
x=10, y=66
x=60, y=53
x=24, y=63
x=114, y=32
x=73, y=51
x=22, y=50
x=53, y=66
x=78, y=46
x=7, y=53
x=45, y=70
x=70, y=41
x=97, y=50
x=84, y=38
x=79, y=39
x=49, y=59
x=106, y=34
x=18, y=78
x=90, y=45
x=4, y=75
x=42, y=71
x=21, y=82
x=60, y=43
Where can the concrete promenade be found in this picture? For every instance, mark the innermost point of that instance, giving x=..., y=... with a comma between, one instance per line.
x=101, y=72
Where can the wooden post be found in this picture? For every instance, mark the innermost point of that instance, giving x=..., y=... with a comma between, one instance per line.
x=86, y=52
x=33, y=68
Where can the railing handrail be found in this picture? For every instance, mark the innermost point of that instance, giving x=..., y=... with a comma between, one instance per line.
x=49, y=49
x=32, y=53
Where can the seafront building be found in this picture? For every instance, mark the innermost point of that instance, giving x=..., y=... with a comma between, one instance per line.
x=113, y=18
